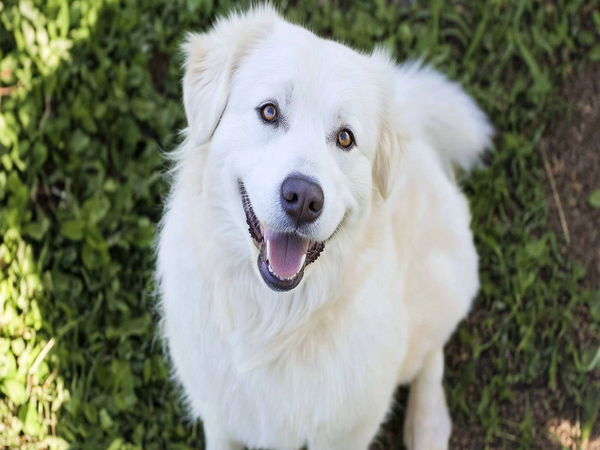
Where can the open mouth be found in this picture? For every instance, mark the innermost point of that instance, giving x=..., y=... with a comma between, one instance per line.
x=282, y=256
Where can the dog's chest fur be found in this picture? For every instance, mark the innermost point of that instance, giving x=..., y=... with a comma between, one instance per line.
x=282, y=368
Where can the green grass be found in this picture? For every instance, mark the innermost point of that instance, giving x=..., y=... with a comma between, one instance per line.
x=83, y=120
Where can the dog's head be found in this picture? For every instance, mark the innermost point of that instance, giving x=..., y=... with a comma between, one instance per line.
x=298, y=131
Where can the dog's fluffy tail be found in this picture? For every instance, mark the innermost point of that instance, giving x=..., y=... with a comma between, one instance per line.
x=442, y=113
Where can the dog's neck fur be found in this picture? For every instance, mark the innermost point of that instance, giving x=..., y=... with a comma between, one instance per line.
x=260, y=323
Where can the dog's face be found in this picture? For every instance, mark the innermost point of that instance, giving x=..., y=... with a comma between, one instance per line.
x=295, y=142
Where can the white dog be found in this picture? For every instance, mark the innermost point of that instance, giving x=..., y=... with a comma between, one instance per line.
x=300, y=148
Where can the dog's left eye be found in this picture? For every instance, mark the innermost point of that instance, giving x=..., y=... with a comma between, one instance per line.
x=345, y=139
x=269, y=113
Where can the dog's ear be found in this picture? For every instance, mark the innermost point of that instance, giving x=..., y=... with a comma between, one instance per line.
x=210, y=61
x=386, y=166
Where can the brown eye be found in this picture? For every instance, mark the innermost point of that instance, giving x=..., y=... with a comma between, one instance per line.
x=345, y=138
x=269, y=112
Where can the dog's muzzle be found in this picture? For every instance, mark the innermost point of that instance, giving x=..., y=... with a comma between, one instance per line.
x=283, y=255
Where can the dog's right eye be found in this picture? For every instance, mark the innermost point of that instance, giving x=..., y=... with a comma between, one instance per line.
x=345, y=139
x=269, y=113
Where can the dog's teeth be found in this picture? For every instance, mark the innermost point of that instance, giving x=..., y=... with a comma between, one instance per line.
x=302, y=262
x=268, y=250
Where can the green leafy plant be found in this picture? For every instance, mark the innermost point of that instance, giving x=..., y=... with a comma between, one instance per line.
x=90, y=98
x=595, y=198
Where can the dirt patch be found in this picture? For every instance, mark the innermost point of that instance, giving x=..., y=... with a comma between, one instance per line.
x=573, y=154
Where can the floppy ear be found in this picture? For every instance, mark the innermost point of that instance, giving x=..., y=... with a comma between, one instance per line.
x=386, y=166
x=211, y=60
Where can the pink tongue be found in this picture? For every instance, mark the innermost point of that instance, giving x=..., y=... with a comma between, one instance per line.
x=286, y=252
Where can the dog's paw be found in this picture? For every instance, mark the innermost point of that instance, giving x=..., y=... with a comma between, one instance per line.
x=427, y=427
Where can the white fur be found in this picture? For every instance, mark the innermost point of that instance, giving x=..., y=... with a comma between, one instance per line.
x=317, y=365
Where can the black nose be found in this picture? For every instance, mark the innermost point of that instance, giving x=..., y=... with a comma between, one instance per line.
x=302, y=199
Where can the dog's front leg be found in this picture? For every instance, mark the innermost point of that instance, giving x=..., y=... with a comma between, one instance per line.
x=428, y=424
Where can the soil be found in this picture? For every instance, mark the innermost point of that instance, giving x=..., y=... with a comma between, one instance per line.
x=573, y=150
